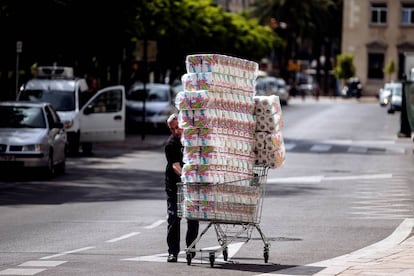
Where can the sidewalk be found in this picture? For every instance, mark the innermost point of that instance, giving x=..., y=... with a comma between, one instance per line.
x=390, y=257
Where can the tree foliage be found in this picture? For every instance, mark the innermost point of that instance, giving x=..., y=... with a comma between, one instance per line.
x=345, y=67
x=98, y=38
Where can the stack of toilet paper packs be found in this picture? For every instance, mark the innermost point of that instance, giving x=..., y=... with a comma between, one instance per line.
x=269, y=145
x=220, y=128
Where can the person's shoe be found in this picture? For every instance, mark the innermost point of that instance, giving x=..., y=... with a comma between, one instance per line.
x=172, y=258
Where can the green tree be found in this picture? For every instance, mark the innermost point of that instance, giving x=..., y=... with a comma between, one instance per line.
x=313, y=27
x=345, y=67
x=390, y=69
x=99, y=37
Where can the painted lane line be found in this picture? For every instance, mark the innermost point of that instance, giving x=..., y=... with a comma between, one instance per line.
x=353, y=149
x=232, y=249
x=43, y=263
x=67, y=252
x=155, y=224
x=319, y=178
x=321, y=148
x=359, y=177
x=289, y=146
x=298, y=179
x=22, y=271
x=123, y=237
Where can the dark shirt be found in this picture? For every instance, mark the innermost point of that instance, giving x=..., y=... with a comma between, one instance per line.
x=173, y=153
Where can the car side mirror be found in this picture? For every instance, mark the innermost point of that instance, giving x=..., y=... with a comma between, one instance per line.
x=88, y=110
x=58, y=125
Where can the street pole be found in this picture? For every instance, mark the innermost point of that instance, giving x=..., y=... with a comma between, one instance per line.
x=19, y=45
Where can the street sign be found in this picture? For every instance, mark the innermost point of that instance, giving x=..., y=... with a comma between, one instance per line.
x=19, y=47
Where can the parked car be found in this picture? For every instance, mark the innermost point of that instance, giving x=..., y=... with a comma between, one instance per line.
x=352, y=88
x=31, y=136
x=395, y=97
x=158, y=105
x=266, y=86
x=307, y=85
x=384, y=94
x=88, y=117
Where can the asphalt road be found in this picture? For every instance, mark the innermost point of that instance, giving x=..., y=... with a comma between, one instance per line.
x=346, y=184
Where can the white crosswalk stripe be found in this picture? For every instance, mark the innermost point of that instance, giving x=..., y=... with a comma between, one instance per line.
x=383, y=199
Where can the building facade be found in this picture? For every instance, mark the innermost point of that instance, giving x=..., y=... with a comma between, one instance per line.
x=378, y=32
x=235, y=5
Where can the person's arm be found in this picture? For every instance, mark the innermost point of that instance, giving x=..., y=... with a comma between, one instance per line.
x=177, y=168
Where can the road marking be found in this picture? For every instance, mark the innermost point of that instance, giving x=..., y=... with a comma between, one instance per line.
x=155, y=224
x=289, y=146
x=232, y=249
x=320, y=178
x=43, y=263
x=123, y=237
x=321, y=148
x=22, y=271
x=67, y=252
x=353, y=149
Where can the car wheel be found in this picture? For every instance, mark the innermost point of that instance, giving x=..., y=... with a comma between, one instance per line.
x=49, y=171
x=61, y=168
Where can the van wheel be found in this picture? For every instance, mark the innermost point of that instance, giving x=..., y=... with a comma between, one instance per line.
x=73, y=145
x=87, y=148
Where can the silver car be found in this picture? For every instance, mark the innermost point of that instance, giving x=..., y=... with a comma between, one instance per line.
x=158, y=105
x=31, y=136
x=267, y=86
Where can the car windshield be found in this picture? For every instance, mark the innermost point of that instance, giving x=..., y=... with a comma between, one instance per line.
x=21, y=117
x=397, y=91
x=154, y=94
x=60, y=100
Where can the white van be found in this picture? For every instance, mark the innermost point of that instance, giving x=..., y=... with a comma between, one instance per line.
x=393, y=92
x=88, y=117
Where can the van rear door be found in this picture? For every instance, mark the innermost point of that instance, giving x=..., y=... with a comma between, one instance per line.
x=102, y=118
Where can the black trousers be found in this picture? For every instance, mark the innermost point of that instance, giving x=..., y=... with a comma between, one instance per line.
x=173, y=230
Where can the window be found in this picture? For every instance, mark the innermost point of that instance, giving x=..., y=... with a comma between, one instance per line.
x=378, y=13
x=407, y=14
x=375, y=65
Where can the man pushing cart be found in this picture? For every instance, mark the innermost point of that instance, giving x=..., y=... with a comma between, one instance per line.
x=230, y=138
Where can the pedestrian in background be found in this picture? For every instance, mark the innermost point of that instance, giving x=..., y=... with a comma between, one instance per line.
x=174, y=155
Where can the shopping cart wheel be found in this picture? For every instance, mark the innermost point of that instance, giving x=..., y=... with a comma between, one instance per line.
x=212, y=259
x=189, y=257
x=266, y=253
x=225, y=254
x=266, y=257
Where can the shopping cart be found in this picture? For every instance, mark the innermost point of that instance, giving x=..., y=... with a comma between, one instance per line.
x=233, y=208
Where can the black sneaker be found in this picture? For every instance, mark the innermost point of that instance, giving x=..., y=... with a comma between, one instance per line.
x=172, y=258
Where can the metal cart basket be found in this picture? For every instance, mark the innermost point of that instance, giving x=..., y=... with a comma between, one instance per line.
x=233, y=208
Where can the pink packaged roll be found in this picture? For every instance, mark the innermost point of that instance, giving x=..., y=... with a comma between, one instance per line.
x=191, y=155
x=186, y=118
x=189, y=81
x=183, y=100
x=189, y=137
x=193, y=63
x=209, y=63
